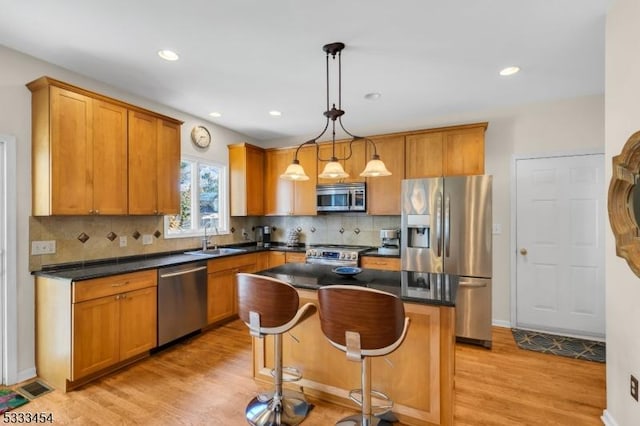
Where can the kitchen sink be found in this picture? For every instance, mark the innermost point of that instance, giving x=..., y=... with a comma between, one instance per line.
x=216, y=252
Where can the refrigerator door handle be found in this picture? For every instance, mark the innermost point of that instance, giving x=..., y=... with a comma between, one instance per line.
x=447, y=226
x=472, y=284
x=438, y=235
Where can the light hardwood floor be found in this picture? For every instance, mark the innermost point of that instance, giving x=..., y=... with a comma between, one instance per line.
x=206, y=380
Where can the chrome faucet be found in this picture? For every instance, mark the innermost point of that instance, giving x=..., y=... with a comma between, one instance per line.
x=205, y=240
x=215, y=244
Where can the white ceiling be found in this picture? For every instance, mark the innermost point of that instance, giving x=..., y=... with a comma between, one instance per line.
x=243, y=58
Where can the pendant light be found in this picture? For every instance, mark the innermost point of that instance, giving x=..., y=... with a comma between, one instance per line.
x=333, y=169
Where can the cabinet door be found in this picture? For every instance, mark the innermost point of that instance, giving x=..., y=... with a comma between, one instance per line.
x=355, y=164
x=221, y=300
x=464, y=152
x=143, y=184
x=295, y=257
x=96, y=326
x=374, y=262
x=71, y=153
x=138, y=322
x=278, y=200
x=109, y=158
x=383, y=193
x=246, y=171
x=168, y=167
x=304, y=203
x=424, y=155
x=276, y=258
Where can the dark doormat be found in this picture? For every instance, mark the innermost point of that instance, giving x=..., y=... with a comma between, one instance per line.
x=571, y=347
x=34, y=389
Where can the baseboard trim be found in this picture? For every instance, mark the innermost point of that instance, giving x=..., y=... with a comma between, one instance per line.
x=27, y=374
x=501, y=323
x=608, y=419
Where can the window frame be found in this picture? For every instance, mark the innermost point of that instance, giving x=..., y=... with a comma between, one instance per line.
x=224, y=219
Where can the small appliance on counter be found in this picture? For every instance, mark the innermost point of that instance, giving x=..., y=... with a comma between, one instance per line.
x=263, y=236
x=390, y=240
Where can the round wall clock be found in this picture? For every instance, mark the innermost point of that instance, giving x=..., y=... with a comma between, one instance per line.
x=200, y=136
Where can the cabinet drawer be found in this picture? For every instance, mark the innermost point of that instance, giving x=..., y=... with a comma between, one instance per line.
x=114, y=284
x=294, y=257
x=372, y=262
x=231, y=262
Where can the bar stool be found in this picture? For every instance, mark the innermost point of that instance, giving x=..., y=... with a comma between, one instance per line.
x=363, y=323
x=270, y=307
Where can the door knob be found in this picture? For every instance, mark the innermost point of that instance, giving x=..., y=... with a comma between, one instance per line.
x=523, y=251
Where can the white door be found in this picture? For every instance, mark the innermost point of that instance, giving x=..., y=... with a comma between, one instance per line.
x=560, y=219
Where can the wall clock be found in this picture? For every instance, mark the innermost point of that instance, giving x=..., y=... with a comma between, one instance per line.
x=200, y=136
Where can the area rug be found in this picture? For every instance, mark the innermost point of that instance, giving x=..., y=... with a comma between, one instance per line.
x=10, y=399
x=560, y=345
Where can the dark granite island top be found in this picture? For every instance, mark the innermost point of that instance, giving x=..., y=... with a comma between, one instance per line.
x=416, y=287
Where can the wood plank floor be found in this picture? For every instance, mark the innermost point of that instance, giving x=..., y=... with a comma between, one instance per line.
x=206, y=381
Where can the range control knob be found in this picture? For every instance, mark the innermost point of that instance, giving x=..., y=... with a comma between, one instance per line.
x=354, y=256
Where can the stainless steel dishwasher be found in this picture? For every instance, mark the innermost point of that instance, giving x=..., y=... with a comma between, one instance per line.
x=182, y=300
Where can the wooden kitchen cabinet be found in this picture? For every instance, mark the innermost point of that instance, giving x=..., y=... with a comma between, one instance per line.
x=277, y=258
x=154, y=165
x=452, y=151
x=221, y=285
x=283, y=197
x=295, y=257
x=79, y=153
x=383, y=193
x=246, y=171
x=82, y=154
x=87, y=328
x=376, y=262
x=354, y=165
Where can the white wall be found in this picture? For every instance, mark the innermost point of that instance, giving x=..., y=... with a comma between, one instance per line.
x=622, y=112
x=15, y=119
x=573, y=125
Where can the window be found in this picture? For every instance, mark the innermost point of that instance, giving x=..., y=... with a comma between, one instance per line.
x=203, y=200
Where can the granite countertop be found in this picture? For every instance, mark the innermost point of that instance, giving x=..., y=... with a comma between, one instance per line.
x=106, y=267
x=425, y=288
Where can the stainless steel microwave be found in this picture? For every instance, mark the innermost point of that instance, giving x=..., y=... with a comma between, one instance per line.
x=341, y=197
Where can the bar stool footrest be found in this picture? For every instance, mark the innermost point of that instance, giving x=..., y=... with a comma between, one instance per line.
x=289, y=374
x=377, y=410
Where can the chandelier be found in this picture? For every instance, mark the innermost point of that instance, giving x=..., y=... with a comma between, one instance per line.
x=333, y=169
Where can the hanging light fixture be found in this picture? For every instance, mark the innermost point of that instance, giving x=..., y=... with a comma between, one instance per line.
x=333, y=169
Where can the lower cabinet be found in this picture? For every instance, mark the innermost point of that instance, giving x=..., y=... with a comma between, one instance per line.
x=221, y=285
x=87, y=328
x=376, y=262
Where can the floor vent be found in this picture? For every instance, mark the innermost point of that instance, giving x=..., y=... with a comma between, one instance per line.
x=34, y=389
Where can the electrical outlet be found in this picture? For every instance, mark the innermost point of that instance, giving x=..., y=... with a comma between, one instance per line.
x=147, y=239
x=43, y=247
x=634, y=387
x=123, y=241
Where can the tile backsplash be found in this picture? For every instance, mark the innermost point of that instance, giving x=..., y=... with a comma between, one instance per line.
x=101, y=234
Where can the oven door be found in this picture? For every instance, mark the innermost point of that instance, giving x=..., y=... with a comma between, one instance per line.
x=333, y=200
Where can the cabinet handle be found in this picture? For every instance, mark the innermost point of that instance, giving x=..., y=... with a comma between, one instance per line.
x=97, y=212
x=120, y=284
x=90, y=211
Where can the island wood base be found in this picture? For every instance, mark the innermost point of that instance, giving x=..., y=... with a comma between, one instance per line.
x=418, y=376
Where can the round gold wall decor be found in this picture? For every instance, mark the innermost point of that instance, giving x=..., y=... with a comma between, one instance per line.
x=624, y=202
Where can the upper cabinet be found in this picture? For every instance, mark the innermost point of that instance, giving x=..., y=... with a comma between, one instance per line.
x=283, y=197
x=154, y=165
x=85, y=147
x=451, y=151
x=383, y=193
x=246, y=172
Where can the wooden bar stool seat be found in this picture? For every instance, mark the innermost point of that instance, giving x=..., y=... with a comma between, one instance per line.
x=271, y=307
x=363, y=323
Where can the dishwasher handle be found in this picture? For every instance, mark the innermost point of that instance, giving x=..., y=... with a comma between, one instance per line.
x=184, y=272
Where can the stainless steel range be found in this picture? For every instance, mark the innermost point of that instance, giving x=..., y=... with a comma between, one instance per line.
x=335, y=255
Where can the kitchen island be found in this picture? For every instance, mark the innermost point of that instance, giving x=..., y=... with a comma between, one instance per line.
x=418, y=376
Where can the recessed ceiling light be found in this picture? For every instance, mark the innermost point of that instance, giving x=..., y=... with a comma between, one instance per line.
x=509, y=71
x=215, y=114
x=373, y=96
x=168, y=55
x=275, y=113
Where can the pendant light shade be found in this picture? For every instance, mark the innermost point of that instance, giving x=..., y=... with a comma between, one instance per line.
x=294, y=172
x=375, y=167
x=333, y=169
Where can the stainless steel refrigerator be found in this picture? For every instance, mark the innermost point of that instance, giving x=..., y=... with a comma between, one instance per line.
x=446, y=228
